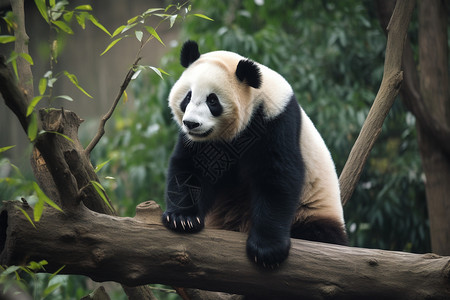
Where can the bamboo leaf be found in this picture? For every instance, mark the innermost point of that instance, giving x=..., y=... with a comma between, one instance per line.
x=74, y=80
x=7, y=39
x=97, y=23
x=50, y=289
x=42, y=86
x=42, y=196
x=101, y=191
x=42, y=7
x=38, y=210
x=27, y=57
x=65, y=97
x=153, y=32
x=56, y=273
x=152, y=10
x=81, y=19
x=111, y=45
x=118, y=30
x=132, y=20
x=33, y=104
x=63, y=26
x=172, y=20
x=139, y=34
x=203, y=17
x=84, y=7
x=32, y=127
x=125, y=97
x=3, y=149
x=60, y=134
x=100, y=166
x=68, y=16
x=26, y=216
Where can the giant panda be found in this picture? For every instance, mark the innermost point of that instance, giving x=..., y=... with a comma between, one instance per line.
x=248, y=158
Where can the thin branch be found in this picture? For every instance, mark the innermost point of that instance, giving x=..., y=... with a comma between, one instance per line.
x=107, y=116
x=390, y=85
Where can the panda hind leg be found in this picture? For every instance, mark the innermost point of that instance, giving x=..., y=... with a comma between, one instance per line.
x=323, y=230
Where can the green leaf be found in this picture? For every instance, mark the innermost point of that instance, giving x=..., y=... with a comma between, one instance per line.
x=81, y=19
x=101, y=191
x=56, y=273
x=60, y=134
x=74, y=80
x=100, y=166
x=33, y=104
x=63, y=26
x=50, y=289
x=65, y=97
x=152, y=10
x=84, y=7
x=27, y=57
x=42, y=7
x=139, y=34
x=159, y=71
x=128, y=27
x=42, y=85
x=125, y=97
x=203, y=17
x=153, y=32
x=42, y=196
x=52, y=3
x=38, y=210
x=172, y=20
x=26, y=216
x=111, y=45
x=3, y=149
x=68, y=16
x=97, y=23
x=7, y=39
x=118, y=30
x=132, y=20
x=32, y=127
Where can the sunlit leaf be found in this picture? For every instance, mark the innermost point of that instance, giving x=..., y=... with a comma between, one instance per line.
x=100, y=166
x=32, y=127
x=42, y=85
x=27, y=57
x=7, y=39
x=172, y=20
x=125, y=97
x=63, y=26
x=97, y=23
x=68, y=16
x=101, y=191
x=3, y=149
x=38, y=210
x=132, y=20
x=33, y=104
x=153, y=32
x=81, y=19
x=111, y=45
x=203, y=17
x=152, y=10
x=26, y=216
x=118, y=30
x=41, y=195
x=136, y=74
x=74, y=80
x=42, y=7
x=84, y=7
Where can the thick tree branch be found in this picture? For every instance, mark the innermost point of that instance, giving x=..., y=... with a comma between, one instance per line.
x=135, y=251
x=386, y=95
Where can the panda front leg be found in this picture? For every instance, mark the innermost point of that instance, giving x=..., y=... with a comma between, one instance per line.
x=274, y=202
x=184, y=194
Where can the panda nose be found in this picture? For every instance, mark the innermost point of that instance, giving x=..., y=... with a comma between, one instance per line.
x=191, y=125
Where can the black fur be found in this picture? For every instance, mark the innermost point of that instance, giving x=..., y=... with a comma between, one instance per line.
x=189, y=53
x=266, y=157
x=249, y=72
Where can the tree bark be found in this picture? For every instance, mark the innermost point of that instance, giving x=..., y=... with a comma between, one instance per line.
x=136, y=251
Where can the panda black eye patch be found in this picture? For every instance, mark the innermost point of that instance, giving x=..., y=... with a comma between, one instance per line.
x=214, y=105
x=185, y=101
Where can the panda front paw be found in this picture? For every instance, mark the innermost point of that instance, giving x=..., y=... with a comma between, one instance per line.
x=181, y=223
x=269, y=253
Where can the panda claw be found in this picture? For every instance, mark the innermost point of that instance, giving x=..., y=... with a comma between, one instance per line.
x=168, y=219
x=198, y=220
x=183, y=224
x=174, y=224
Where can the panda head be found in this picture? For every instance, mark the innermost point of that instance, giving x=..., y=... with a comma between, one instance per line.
x=213, y=98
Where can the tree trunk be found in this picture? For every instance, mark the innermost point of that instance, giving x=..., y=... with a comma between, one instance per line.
x=139, y=250
x=434, y=88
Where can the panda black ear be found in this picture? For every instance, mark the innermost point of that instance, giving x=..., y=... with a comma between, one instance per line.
x=189, y=53
x=249, y=72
